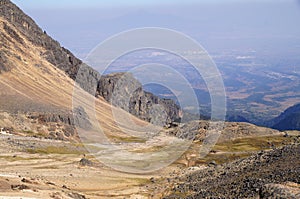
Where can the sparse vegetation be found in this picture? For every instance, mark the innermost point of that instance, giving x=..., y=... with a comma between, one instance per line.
x=30, y=133
x=14, y=158
x=229, y=151
x=127, y=139
x=54, y=150
x=47, y=167
x=253, y=144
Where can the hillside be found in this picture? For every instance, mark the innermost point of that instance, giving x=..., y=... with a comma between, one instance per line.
x=37, y=77
x=23, y=30
x=288, y=120
x=272, y=174
x=36, y=84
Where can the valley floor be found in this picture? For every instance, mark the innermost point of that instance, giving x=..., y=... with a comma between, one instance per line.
x=41, y=168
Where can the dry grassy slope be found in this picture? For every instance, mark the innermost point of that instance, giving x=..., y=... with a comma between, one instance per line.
x=35, y=85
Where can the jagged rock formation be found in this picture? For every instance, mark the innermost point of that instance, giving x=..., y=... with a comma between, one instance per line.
x=245, y=178
x=124, y=91
x=89, y=79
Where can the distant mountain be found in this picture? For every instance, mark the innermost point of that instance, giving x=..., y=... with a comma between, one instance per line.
x=288, y=120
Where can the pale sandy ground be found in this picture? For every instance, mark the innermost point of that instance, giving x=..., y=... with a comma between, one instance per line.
x=59, y=175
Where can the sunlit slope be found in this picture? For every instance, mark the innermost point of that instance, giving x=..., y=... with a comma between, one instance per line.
x=29, y=83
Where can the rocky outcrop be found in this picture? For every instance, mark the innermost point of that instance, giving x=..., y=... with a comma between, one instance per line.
x=126, y=92
x=51, y=117
x=85, y=162
x=61, y=124
x=287, y=190
x=52, y=125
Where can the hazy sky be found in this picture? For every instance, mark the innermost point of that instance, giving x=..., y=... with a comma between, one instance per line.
x=219, y=25
x=91, y=3
x=113, y=3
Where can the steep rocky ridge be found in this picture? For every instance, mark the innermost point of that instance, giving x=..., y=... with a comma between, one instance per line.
x=63, y=59
x=54, y=53
x=31, y=85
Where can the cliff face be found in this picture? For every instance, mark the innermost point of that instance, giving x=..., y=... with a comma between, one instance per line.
x=132, y=98
x=140, y=102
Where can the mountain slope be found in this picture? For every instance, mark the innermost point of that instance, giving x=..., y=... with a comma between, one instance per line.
x=35, y=94
x=24, y=41
x=53, y=52
x=288, y=120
